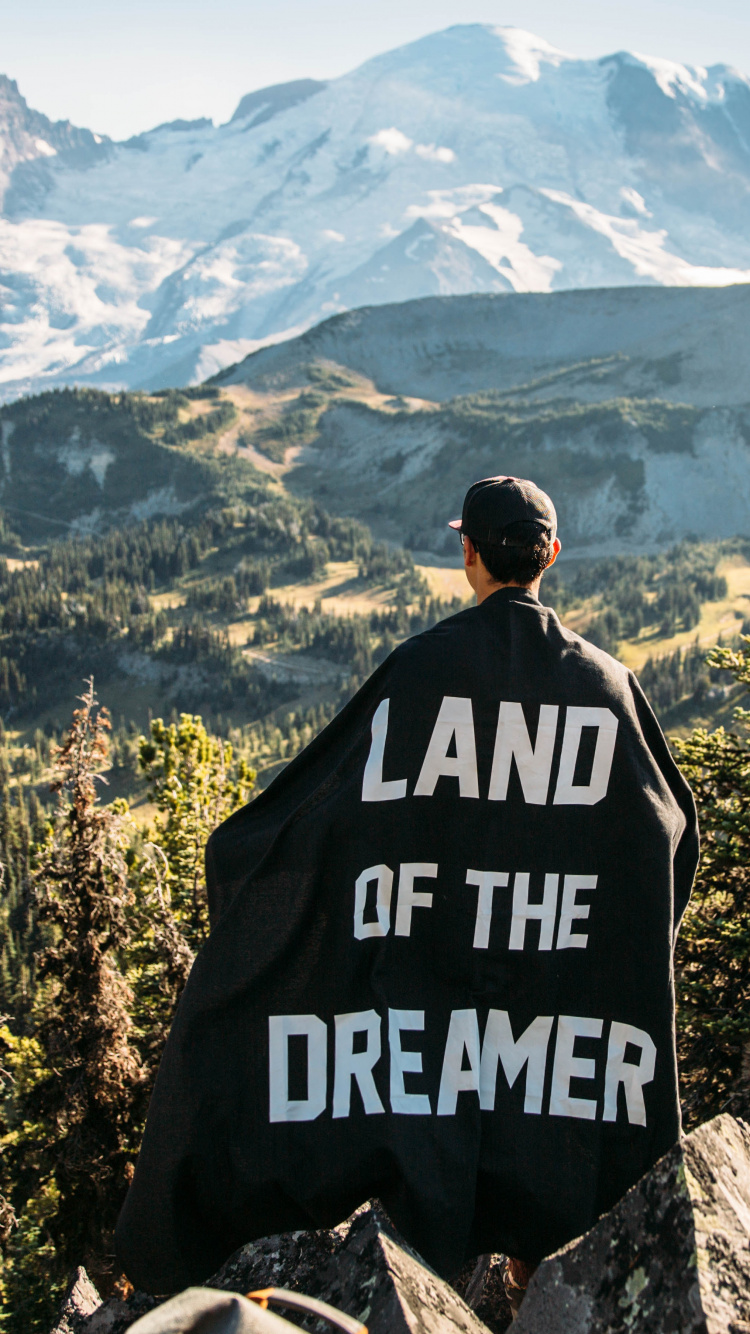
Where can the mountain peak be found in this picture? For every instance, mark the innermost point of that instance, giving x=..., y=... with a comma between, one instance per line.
x=528, y=53
x=27, y=137
x=480, y=158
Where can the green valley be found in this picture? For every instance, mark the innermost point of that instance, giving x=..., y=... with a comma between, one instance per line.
x=171, y=545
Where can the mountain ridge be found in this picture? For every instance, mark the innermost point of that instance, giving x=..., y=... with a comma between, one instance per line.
x=28, y=139
x=630, y=406
x=476, y=159
x=682, y=345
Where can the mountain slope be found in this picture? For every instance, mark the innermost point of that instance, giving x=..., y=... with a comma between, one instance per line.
x=630, y=406
x=477, y=159
x=682, y=345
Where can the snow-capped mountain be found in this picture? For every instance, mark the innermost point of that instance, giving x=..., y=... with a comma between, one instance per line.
x=28, y=140
x=476, y=159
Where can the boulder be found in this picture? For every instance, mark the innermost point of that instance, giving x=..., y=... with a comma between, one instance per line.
x=83, y=1312
x=115, y=1316
x=363, y=1267
x=295, y=1260
x=376, y=1277
x=673, y=1255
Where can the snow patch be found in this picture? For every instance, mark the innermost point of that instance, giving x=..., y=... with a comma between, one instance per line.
x=635, y=201
x=392, y=141
x=645, y=250
x=431, y=153
x=673, y=78
x=527, y=54
x=449, y=203
x=44, y=148
x=77, y=457
x=85, y=524
x=214, y=357
x=161, y=501
x=500, y=244
x=142, y=222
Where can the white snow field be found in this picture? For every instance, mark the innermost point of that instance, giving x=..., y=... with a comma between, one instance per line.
x=478, y=159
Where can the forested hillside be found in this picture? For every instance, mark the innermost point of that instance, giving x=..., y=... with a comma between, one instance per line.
x=234, y=595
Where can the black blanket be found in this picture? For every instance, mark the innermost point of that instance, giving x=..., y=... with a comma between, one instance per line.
x=440, y=966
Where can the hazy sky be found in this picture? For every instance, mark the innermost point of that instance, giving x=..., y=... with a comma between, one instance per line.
x=124, y=67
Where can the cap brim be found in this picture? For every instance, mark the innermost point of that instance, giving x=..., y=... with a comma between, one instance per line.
x=455, y=523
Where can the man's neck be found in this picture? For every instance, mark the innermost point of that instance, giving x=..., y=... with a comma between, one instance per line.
x=486, y=587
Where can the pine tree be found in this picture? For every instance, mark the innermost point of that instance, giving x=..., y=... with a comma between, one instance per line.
x=713, y=950
x=195, y=785
x=75, y=1106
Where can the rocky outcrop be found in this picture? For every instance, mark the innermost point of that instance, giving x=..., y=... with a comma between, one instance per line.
x=363, y=1267
x=673, y=1255
x=378, y=1278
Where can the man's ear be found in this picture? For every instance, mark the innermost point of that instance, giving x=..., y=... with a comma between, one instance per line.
x=556, y=549
x=470, y=553
x=471, y=563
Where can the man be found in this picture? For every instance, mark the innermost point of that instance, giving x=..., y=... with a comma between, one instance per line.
x=440, y=966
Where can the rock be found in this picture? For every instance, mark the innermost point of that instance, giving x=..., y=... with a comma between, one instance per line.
x=115, y=1316
x=361, y=1267
x=376, y=1277
x=289, y=1260
x=293, y=1260
x=82, y=1314
x=480, y=1283
x=672, y=1255
x=79, y=1302
x=364, y=1268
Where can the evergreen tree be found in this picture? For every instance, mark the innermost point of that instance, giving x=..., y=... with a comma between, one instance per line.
x=21, y=824
x=74, y=1104
x=713, y=951
x=195, y=785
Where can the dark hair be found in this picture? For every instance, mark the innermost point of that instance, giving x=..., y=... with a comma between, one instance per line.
x=520, y=559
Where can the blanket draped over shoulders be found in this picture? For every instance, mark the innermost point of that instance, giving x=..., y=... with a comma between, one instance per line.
x=440, y=966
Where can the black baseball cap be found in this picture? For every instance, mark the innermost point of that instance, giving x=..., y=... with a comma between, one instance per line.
x=495, y=502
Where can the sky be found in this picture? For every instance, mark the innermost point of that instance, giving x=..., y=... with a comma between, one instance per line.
x=120, y=68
